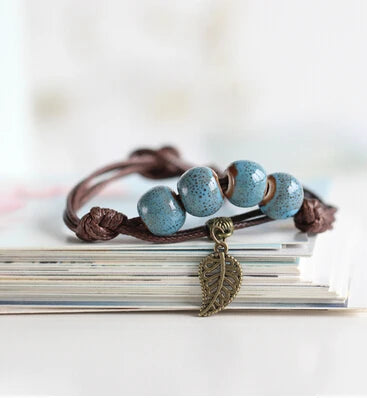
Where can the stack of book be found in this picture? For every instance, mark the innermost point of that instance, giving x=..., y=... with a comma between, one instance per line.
x=44, y=268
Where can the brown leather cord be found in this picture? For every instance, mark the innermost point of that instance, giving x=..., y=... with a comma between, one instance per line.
x=102, y=224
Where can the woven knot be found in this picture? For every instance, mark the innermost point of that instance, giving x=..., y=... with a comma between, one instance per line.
x=100, y=224
x=314, y=217
x=165, y=163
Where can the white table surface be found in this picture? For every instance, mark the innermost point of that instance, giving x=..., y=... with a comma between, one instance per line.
x=179, y=353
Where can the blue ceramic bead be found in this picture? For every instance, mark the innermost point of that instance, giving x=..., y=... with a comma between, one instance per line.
x=246, y=183
x=200, y=191
x=284, y=196
x=161, y=212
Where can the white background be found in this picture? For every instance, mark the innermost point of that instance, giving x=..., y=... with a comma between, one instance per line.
x=84, y=82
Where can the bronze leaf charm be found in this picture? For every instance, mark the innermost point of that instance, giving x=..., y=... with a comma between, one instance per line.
x=220, y=274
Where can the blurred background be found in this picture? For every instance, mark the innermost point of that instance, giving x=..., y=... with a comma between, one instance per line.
x=84, y=82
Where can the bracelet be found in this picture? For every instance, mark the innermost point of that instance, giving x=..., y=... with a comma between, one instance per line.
x=201, y=192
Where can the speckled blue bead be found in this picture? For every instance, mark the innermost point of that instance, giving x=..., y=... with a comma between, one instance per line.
x=161, y=212
x=246, y=183
x=284, y=196
x=200, y=191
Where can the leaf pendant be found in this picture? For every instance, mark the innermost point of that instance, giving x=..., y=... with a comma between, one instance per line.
x=220, y=279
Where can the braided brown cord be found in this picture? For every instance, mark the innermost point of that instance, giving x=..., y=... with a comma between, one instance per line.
x=104, y=224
